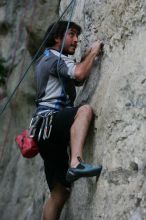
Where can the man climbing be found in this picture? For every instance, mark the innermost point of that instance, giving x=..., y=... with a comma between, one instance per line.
x=63, y=124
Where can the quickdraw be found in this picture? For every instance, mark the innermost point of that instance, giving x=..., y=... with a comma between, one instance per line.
x=41, y=125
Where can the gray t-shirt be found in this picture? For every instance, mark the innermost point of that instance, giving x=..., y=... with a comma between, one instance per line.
x=55, y=80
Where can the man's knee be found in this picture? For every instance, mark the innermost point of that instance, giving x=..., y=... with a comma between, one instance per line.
x=86, y=110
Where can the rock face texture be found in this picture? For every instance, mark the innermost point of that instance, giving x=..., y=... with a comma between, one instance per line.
x=116, y=90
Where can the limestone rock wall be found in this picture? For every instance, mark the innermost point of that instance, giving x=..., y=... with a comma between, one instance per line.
x=116, y=90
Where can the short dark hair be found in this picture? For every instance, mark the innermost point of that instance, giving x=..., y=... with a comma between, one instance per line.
x=58, y=30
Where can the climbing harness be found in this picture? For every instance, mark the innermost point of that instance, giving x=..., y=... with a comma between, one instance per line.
x=40, y=128
x=36, y=55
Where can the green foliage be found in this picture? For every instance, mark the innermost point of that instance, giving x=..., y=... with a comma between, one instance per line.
x=3, y=72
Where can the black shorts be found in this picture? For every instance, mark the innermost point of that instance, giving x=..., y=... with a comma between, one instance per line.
x=54, y=150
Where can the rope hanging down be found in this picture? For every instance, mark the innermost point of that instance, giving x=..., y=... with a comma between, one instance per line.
x=38, y=51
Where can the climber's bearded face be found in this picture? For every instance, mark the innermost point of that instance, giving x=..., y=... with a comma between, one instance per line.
x=71, y=41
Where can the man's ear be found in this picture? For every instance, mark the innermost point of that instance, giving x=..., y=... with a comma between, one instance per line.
x=57, y=40
x=58, y=43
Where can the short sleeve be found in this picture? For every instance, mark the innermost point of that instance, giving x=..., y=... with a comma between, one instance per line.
x=62, y=65
x=66, y=67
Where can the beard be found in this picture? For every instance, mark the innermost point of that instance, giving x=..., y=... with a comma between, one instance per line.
x=69, y=50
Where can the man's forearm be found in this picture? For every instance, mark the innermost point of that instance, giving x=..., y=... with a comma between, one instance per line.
x=82, y=70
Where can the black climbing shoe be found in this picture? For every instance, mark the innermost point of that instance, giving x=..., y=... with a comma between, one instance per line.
x=82, y=170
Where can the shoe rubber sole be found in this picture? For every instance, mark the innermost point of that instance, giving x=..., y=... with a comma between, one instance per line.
x=71, y=176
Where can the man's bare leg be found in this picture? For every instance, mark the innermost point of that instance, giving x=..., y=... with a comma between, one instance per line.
x=79, y=132
x=55, y=203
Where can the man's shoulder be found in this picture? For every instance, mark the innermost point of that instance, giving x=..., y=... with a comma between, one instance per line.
x=48, y=57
